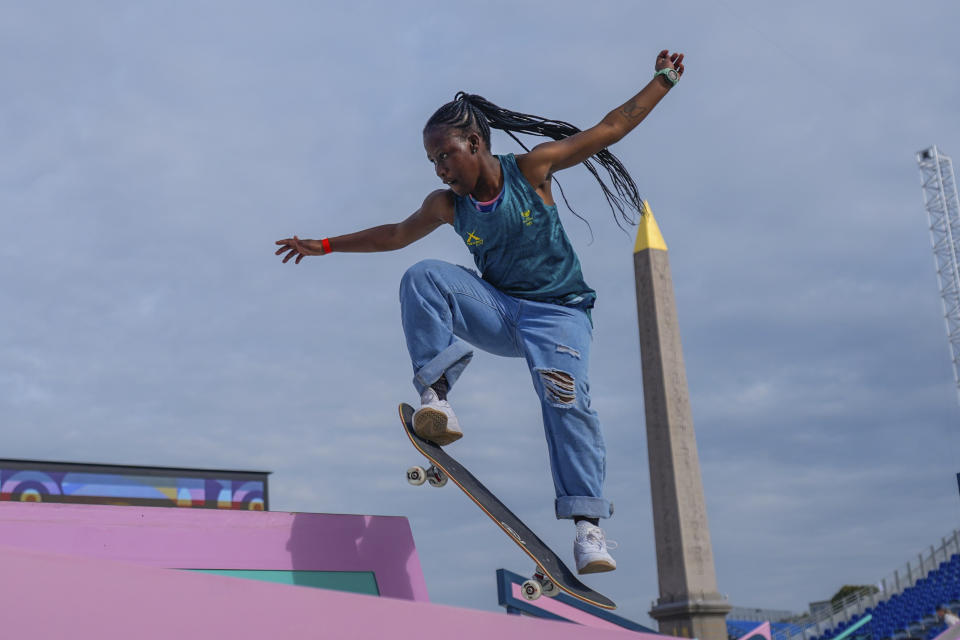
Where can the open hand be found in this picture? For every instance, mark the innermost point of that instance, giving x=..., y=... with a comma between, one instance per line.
x=667, y=60
x=295, y=247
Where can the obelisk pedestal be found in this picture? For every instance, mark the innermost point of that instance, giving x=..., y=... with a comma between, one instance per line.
x=689, y=604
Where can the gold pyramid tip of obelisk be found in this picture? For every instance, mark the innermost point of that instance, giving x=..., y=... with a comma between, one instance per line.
x=648, y=233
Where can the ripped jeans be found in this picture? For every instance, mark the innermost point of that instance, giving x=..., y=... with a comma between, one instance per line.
x=444, y=307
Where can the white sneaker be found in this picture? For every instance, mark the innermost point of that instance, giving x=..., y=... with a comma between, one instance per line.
x=435, y=421
x=590, y=549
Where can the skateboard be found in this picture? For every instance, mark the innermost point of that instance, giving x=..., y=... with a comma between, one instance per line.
x=550, y=576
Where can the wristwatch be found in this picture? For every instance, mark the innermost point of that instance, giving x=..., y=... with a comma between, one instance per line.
x=670, y=74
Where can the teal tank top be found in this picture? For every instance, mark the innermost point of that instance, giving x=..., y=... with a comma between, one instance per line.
x=520, y=247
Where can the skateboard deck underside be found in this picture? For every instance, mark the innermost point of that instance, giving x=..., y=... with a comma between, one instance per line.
x=548, y=562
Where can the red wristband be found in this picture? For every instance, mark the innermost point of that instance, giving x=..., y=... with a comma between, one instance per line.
x=326, y=246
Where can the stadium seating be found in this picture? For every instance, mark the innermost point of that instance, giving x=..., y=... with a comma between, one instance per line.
x=911, y=614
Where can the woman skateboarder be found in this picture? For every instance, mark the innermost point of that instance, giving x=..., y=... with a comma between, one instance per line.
x=530, y=299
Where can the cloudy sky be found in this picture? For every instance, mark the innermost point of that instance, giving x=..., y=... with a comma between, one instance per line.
x=154, y=151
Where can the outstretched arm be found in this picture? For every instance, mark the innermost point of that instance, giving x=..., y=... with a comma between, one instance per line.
x=437, y=209
x=550, y=157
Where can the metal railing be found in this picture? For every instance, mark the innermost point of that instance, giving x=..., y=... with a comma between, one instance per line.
x=761, y=615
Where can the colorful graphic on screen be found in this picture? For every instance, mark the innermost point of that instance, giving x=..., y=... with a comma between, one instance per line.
x=141, y=486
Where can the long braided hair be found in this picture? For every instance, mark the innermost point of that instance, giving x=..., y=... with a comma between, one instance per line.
x=467, y=111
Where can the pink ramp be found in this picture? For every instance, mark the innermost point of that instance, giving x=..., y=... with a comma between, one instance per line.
x=762, y=632
x=223, y=540
x=52, y=596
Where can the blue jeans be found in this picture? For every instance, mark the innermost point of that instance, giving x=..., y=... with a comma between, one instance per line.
x=444, y=307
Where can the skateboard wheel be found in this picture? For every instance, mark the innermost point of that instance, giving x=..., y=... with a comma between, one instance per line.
x=531, y=589
x=436, y=477
x=416, y=476
x=547, y=586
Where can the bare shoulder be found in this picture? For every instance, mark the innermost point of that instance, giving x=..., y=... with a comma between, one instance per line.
x=535, y=165
x=439, y=204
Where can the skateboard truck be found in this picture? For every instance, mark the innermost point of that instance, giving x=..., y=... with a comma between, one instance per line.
x=539, y=585
x=417, y=475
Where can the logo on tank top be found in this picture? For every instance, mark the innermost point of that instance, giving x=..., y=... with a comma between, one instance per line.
x=527, y=218
x=473, y=240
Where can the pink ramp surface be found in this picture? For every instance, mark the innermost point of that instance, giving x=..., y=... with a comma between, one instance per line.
x=46, y=596
x=220, y=539
x=762, y=630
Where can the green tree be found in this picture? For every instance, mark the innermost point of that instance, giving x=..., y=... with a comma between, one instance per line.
x=850, y=589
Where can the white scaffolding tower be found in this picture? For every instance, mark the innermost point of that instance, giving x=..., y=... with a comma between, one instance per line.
x=943, y=211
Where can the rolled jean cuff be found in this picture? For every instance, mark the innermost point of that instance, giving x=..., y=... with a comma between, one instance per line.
x=451, y=362
x=570, y=506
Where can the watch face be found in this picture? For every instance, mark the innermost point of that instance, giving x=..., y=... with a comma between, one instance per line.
x=673, y=76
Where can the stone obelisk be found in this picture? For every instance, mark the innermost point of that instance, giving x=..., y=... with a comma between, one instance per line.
x=689, y=604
